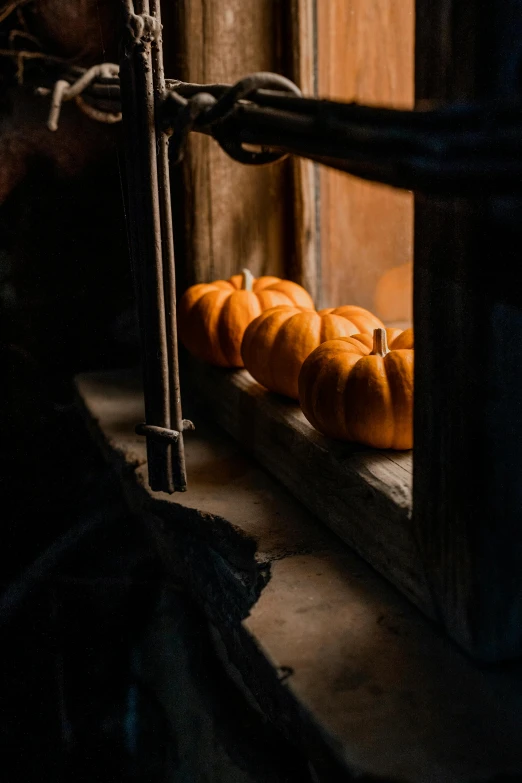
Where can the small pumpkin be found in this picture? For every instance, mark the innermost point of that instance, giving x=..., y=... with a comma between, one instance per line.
x=404, y=340
x=278, y=341
x=349, y=393
x=212, y=317
x=397, y=338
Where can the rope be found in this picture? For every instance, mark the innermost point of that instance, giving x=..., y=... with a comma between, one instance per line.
x=143, y=28
x=107, y=117
x=63, y=91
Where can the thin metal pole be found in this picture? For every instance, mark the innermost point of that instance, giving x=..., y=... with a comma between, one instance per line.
x=169, y=275
x=150, y=235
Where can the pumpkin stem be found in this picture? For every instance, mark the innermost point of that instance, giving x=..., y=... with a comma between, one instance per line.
x=380, y=343
x=247, y=280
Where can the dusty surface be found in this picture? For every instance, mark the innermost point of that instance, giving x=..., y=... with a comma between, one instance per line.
x=339, y=662
x=363, y=495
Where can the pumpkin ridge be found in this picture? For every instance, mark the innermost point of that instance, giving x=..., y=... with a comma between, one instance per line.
x=403, y=341
x=392, y=390
x=337, y=325
x=284, y=346
x=398, y=389
x=369, y=392
x=345, y=374
x=268, y=298
x=309, y=389
x=256, y=341
x=294, y=294
x=265, y=281
x=192, y=296
x=321, y=367
x=387, y=401
x=204, y=319
x=238, y=311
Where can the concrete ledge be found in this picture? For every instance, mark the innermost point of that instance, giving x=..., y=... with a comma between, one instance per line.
x=332, y=654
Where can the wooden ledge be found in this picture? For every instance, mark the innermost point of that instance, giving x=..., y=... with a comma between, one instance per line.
x=363, y=495
x=330, y=651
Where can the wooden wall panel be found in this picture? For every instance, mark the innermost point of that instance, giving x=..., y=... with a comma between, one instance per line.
x=234, y=215
x=366, y=54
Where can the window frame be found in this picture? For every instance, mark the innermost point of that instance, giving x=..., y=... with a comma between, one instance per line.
x=467, y=543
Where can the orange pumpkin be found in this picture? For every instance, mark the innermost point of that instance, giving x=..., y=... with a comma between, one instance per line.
x=212, y=317
x=397, y=338
x=278, y=341
x=349, y=393
x=404, y=340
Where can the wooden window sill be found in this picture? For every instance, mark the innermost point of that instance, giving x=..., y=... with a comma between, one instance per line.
x=363, y=495
x=331, y=653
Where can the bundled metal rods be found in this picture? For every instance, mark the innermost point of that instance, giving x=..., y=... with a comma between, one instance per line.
x=149, y=220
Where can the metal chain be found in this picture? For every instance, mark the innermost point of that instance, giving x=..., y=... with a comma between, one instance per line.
x=203, y=111
x=452, y=150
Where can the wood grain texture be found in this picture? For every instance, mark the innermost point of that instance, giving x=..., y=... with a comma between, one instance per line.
x=468, y=416
x=366, y=54
x=363, y=495
x=234, y=215
x=301, y=34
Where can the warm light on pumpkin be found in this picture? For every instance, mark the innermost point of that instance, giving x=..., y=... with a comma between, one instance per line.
x=212, y=317
x=278, y=341
x=350, y=392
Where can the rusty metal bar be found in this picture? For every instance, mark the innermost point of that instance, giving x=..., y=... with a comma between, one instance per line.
x=446, y=149
x=141, y=84
x=451, y=150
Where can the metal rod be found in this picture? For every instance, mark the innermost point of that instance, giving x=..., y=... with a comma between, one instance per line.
x=169, y=276
x=147, y=241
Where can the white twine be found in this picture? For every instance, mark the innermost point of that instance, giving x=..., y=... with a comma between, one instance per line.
x=63, y=91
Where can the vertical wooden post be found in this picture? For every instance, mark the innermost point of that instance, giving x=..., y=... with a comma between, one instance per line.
x=233, y=216
x=468, y=353
x=178, y=471
x=302, y=26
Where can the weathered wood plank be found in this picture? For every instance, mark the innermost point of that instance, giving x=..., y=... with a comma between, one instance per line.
x=362, y=494
x=225, y=488
x=234, y=215
x=365, y=53
x=468, y=368
x=306, y=255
